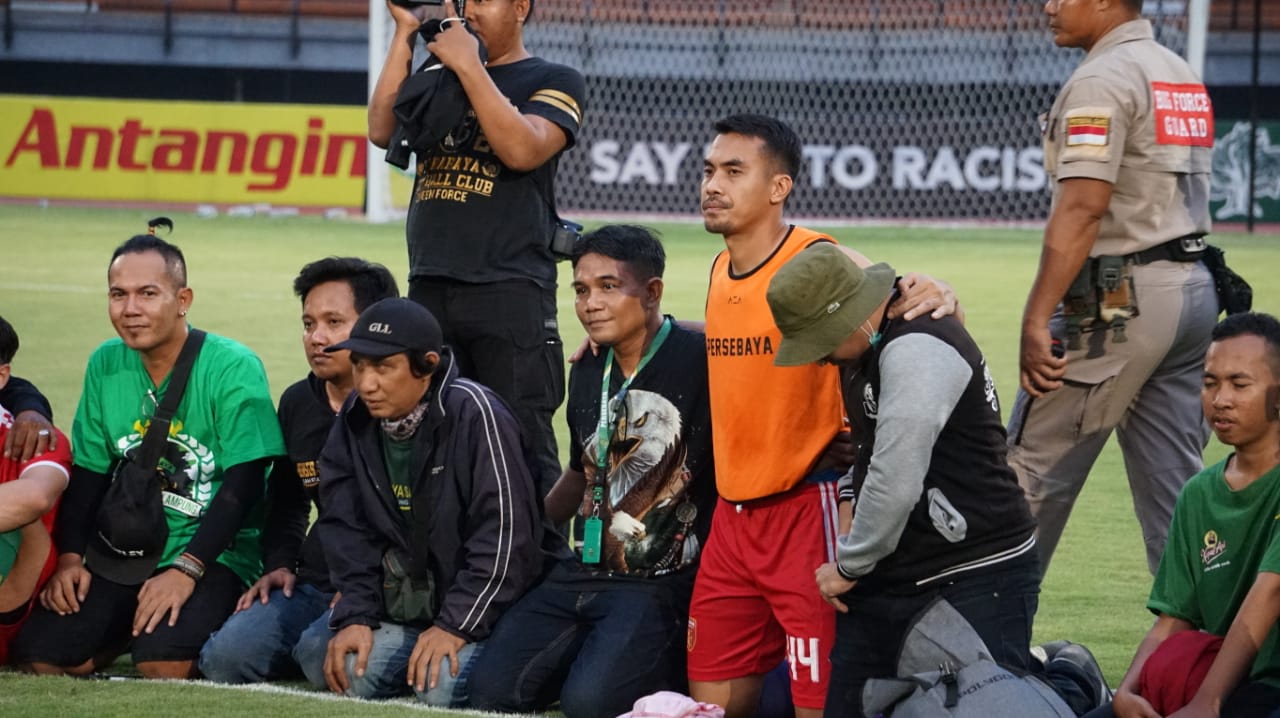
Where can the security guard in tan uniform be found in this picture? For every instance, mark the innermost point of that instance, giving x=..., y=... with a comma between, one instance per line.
x=1121, y=290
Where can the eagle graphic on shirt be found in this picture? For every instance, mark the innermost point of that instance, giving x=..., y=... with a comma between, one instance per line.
x=647, y=512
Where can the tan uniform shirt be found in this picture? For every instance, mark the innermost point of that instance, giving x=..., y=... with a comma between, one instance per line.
x=1135, y=115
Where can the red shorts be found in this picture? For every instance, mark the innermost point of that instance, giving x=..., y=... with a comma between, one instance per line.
x=755, y=600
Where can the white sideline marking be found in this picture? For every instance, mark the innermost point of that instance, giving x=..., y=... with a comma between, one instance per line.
x=364, y=704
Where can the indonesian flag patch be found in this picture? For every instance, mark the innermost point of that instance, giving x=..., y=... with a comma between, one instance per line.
x=1087, y=130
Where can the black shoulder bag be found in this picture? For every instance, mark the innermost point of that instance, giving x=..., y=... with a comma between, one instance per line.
x=131, y=529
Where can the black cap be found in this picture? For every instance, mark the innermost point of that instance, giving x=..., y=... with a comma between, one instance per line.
x=131, y=532
x=392, y=326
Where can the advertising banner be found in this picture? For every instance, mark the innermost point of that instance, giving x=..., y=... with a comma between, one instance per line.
x=883, y=162
x=182, y=152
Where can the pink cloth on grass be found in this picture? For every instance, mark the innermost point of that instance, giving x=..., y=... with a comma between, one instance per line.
x=666, y=704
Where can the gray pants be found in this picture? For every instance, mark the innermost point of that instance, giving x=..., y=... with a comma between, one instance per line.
x=1147, y=389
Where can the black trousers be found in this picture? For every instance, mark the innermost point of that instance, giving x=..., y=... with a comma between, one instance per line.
x=505, y=336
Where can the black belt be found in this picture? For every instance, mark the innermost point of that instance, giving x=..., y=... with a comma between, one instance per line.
x=1183, y=249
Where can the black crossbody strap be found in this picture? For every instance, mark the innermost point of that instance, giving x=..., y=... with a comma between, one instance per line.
x=158, y=430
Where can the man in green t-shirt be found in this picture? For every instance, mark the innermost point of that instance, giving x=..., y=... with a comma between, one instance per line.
x=221, y=439
x=1220, y=572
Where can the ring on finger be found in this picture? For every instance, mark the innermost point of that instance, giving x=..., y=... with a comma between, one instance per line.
x=43, y=432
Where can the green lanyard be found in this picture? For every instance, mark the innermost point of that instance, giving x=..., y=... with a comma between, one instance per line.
x=610, y=408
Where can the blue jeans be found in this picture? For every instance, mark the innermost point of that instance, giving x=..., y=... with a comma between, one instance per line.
x=386, y=675
x=595, y=647
x=256, y=644
x=1000, y=603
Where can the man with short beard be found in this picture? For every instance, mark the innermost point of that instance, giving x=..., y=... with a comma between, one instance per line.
x=779, y=436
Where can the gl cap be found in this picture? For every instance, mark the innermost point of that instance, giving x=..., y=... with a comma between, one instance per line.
x=819, y=298
x=392, y=326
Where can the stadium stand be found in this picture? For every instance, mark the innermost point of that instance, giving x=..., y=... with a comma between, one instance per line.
x=1225, y=15
x=302, y=8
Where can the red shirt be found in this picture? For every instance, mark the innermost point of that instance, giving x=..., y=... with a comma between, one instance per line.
x=11, y=469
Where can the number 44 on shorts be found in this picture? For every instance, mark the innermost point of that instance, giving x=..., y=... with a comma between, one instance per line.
x=803, y=653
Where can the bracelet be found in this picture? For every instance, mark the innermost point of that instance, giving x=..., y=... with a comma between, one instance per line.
x=190, y=566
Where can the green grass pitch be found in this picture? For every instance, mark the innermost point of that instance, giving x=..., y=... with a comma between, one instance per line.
x=53, y=289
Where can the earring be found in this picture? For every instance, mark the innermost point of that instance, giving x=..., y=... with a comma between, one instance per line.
x=182, y=313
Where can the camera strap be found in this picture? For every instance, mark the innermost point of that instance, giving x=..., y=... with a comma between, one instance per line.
x=158, y=428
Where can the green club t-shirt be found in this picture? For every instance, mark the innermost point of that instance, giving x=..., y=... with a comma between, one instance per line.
x=226, y=417
x=398, y=456
x=1219, y=541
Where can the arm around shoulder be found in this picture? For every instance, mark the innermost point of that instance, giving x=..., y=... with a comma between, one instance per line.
x=19, y=395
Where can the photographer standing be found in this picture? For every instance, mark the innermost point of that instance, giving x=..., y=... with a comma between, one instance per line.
x=481, y=216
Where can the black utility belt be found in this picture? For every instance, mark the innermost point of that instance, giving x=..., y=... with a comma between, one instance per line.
x=1190, y=248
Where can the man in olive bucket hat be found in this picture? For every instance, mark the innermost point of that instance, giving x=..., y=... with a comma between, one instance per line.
x=939, y=512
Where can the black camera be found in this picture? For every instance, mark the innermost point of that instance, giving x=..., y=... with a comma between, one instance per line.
x=564, y=238
x=459, y=6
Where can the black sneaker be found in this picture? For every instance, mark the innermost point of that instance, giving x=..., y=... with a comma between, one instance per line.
x=1046, y=651
x=1079, y=657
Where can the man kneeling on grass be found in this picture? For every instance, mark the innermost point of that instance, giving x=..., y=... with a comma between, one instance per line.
x=1220, y=572
x=429, y=521
x=257, y=643
x=939, y=513
x=155, y=584
x=29, y=492
x=608, y=626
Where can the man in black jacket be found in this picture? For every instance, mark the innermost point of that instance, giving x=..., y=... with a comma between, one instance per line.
x=430, y=524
